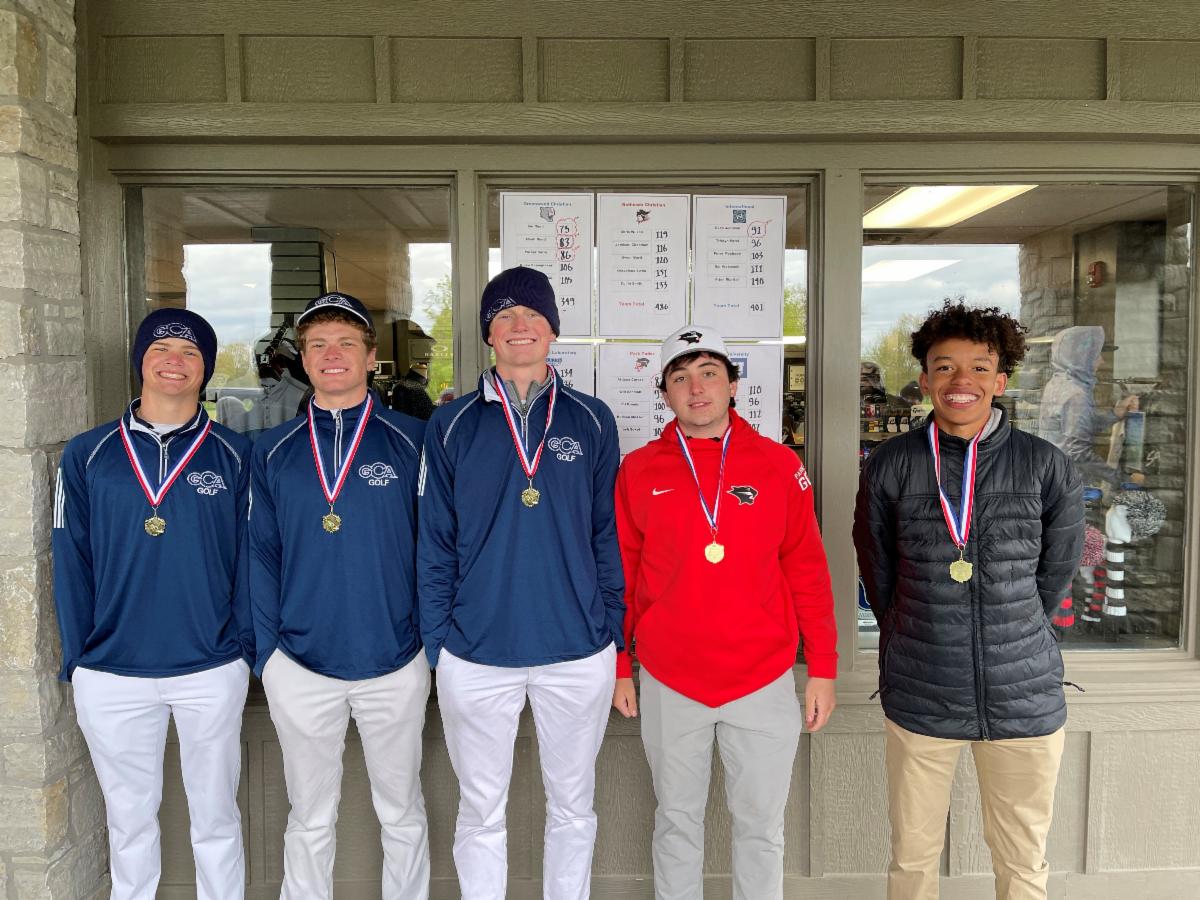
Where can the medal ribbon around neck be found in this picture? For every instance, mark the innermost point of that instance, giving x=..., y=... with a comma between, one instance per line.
x=155, y=497
x=714, y=514
x=331, y=494
x=529, y=468
x=960, y=525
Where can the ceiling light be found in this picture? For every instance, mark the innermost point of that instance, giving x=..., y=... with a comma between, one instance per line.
x=939, y=205
x=893, y=270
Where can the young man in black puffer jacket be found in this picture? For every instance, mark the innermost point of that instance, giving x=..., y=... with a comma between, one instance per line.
x=968, y=532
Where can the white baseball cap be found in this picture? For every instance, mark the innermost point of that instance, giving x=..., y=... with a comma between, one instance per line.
x=691, y=339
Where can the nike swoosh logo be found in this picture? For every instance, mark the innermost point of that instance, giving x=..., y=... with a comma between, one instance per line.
x=656, y=491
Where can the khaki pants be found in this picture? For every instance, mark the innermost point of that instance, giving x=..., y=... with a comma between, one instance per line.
x=1016, y=785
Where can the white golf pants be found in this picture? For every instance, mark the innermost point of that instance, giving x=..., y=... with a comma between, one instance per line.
x=124, y=721
x=311, y=713
x=480, y=707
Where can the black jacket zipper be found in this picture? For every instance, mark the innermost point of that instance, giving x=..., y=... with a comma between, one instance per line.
x=977, y=641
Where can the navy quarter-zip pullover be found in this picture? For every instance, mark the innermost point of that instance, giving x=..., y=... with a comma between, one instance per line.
x=133, y=604
x=503, y=584
x=342, y=604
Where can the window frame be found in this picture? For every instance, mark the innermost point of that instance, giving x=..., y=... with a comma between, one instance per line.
x=837, y=172
x=1090, y=660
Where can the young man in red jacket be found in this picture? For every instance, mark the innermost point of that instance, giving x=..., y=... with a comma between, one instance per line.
x=724, y=571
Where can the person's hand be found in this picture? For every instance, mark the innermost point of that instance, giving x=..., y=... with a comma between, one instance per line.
x=625, y=698
x=820, y=698
x=1129, y=404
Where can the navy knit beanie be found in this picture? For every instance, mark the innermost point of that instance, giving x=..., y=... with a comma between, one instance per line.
x=518, y=286
x=175, y=323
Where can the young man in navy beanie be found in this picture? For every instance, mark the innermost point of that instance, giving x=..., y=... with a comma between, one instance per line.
x=333, y=587
x=149, y=516
x=521, y=588
x=518, y=286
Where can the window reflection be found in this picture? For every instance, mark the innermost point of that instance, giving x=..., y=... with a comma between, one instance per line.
x=249, y=259
x=1100, y=276
x=791, y=423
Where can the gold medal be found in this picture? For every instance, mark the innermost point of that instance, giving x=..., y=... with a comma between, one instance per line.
x=156, y=524
x=961, y=571
x=959, y=525
x=713, y=552
x=531, y=495
x=331, y=521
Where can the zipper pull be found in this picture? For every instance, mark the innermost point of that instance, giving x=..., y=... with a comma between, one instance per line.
x=874, y=695
x=1074, y=685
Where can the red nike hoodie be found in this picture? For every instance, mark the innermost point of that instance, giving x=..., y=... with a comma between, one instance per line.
x=717, y=632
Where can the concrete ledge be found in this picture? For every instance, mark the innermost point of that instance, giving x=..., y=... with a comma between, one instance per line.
x=1148, y=885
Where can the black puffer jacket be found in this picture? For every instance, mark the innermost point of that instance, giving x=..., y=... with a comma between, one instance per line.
x=973, y=661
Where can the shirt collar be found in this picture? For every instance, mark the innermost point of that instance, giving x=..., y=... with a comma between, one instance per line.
x=995, y=420
x=348, y=413
x=993, y=423
x=134, y=423
x=489, y=385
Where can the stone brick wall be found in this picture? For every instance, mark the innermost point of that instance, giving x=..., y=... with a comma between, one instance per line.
x=52, y=841
x=1055, y=295
x=1046, y=264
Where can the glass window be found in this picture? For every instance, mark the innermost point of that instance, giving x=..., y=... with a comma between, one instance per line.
x=249, y=259
x=795, y=287
x=648, y=411
x=1100, y=276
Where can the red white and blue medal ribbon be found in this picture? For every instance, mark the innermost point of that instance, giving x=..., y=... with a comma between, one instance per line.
x=331, y=521
x=156, y=525
x=531, y=495
x=714, y=552
x=958, y=524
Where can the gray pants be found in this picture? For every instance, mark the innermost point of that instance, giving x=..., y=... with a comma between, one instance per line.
x=757, y=736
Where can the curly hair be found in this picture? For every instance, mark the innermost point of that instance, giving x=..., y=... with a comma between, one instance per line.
x=1003, y=334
